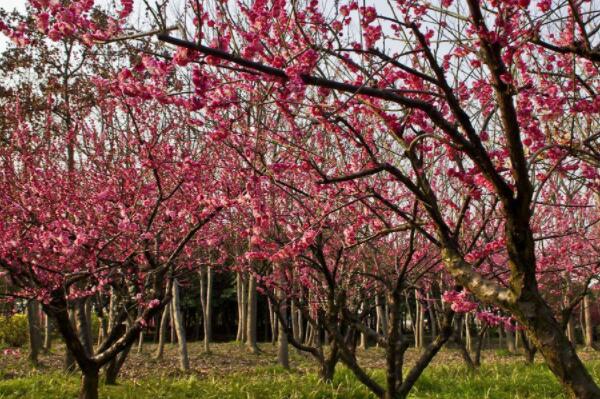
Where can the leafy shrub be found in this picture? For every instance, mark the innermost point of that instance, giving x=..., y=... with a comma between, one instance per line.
x=13, y=330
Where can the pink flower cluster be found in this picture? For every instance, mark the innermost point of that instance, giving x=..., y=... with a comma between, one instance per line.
x=458, y=301
x=488, y=249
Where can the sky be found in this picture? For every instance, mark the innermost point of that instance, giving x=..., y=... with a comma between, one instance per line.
x=10, y=5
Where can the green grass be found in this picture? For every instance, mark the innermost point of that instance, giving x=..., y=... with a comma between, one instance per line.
x=271, y=382
x=494, y=381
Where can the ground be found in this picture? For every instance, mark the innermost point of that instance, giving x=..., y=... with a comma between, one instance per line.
x=230, y=371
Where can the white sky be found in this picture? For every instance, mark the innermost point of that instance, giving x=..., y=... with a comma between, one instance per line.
x=10, y=5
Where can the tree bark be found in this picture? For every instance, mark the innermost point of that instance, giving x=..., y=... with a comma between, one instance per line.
x=363, y=338
x=510, y=340
x=295, y=322
x=468, y=337
x=69, y=363
x=301, y=329
x=528, y=348
x=308, y=339
x=239, y=285
x=244, y=309
x=184, y=362
x=47, y=333
x=396, y=348
x=89, y=383
x=115, y=366
x=272, y=322
x=162, y=334
x=172, y=334
x=432, y=318
x=251, y=327
x=571, y=331
x=83, y=326
x=140, y=343
x=479, y=347
x=35, y=338
x=427, y=355
x=208, y=321
x=282, y=342
x=206, y=288
x=102, y=329
x=421, y=325
x=462, y=348
x=382, y=317
x=328, y=364
x=560, y=355
x=113, y=305
x=589, y=326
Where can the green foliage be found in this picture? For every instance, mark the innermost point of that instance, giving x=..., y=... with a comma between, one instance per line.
x=13, y=330
x=498, y=381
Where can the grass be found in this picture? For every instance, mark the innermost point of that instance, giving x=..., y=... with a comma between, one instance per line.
x=271, y=382
x=494, y=381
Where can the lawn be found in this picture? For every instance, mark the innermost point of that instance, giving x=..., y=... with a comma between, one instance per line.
x=258, y=377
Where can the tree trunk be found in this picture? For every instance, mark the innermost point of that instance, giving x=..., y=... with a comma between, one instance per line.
x=329, y=362
x=363, y=338
x=102, y=329
x=560, y=355
x=162, y=334
x=208, y=321
x=184, y=362
x=394, y=355
x=363, y=342
x=510, y=340
x=421, y=325
x=571, y=331
x=468, y=337
x=445, y=332
x=589, y=326
x=308, y=338
x=47, y=333
x=294, y=317
x=35, y=337
x=382, y=319
x=479, y=347
x=272, y=322
x=432, y=318
x=69, y=363
x=172, y=334
x=239, y=288
x=140, y=342
x=89, y=384
x=462, y=348
x=244, y=309
x=115, y=366
x=528, y=348
x=83, y=326
x=301, y=328
x=112, y=320
x=206, y=284
x=251, y=327
x=282, y=344
x=417, y=321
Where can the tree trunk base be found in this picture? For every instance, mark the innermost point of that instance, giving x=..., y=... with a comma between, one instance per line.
x=89, y=385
